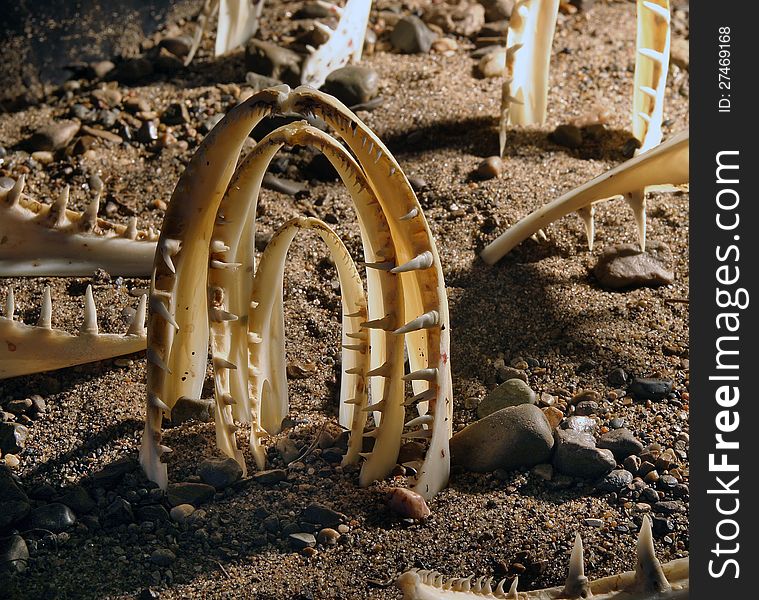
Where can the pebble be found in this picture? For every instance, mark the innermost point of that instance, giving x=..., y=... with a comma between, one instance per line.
x=411, y=36
x=284, y=186
x=569, y=136
x=505, y=373
x=176, y=114
x=322, y=515
x=407, y=504
x=493, y=63
x=352, y=84
x=617, y=423
x=14, y=503
x=597, y=523
x=179, y=45
x=45, y=157
x=576, y=455
x=512, y=437
x=616, y=480
x=220, y=472
x=464, y=19
x=301, y=541
x=12, y=437
x=163, y=557
x=147, y=133
x=496, y=10
x=489, y=168
x=189, y=493
x=14, y=555
x=650, y=389
x=260, y=82
x=19, y=407
x=12, y=461
x=181, y=512
x=586, y=408
x=287, y=450
x=79, y=500
x=101, y=68
x=270, y=476
x=625, y=266
x=118, y=512
x=328, y=537
x=581, y=424
x=510, y=393
x=112, y=474
x=211, y=122
x=54, y=517
x=543, y=471
x=622, y=442
x=52, y=137
x=274, y=61
x=553, y=415
x=668, y=507
x=191, y=409
x=133, y=70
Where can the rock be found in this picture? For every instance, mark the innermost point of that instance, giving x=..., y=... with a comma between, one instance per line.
x=180, y=512
x=543, y=471
x=55, y=517
x=668, y=507
x=219, y=472
x=284, y=186
x=410, y=452
x=260, y=82
x=300, y=541
x=517, y=436
x=407, y=504
x=568, y=136
x=510, y=393
x=19, y=407
x=176, y=114
x=489, y=168
x=147, y=133
x=411, y=36
x=163, y=557
x=133, y=70
x=625, y=266
x=118, y=512
x=271, y=60
x=621, y=442
x=79, y=500
x=617, y=377
x=463, y=19
x=576, y=455
x=155, y=513
x=597, y=523
x=287, y=450
x=179, y=46
x=553, y=416
x=166, y=62
x=313, y=10
x=191, y=409
x=112, y=474
x=352, y=84
x=328, y=537
x=581, y=424
x=14, y=555
x=616, y=480
x=189, y=493
x=14, y=503
x=586, y=408
x=650, y=389
x=52, y=137
x=492, y=64
x=506, y=372
x=617, y=423
x=322, y=515
x=101, y=68
x=495, y=10
x=12, y=437
x=271, y=476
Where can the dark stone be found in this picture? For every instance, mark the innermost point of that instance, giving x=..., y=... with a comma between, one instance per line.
x=14, y=503
x=576, y=455
x=322, y=515
x=176, y=114
x=118, y=512
x=271, y=476
x=616, y=480
x=299, y=541
x=12, y=437
x=132, y=70
x=190, y=493
x=625, y=266
x=52, y=137
x=274, y=61
x=568, y=136
x=411, y=35
x=352, y=84
x=668, y=507
x=55, y=517
x=163, y=557
x=147, y=133
x=219, y=472
x=155, y=513
x=621, y=442
x=78, y=500
x=650, y=389
x=111, y=475
x=14, y=555
x=190, y=409
x=179, y=46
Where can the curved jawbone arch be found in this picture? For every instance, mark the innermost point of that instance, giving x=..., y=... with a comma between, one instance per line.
x=208, y=230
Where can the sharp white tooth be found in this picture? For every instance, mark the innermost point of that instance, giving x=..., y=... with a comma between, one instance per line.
x=220, y=264
x=383, y=370
x=310, y=49
x=644, y=116
x=409, y=215
x=130, y=232
x=218, y=315
x=164, y=449
x=355, y=371
x=15, y=194
x=424, y=396
x=576, y=585
x=354, y=401
x=380, y=266
x=419, y=434
x=423, y=261
x=323, y=28
x=513, y=594
x=422, y=374
x=512, y=100
x=587, y=214
x=542, y=234
x=217, y=246
x=379, y=155
x=228, y=400
x=637, y=202
x=156, y=402
x=254, y=338
x=155, y=358
x=90, y=324
x=649, y=576
x=385, y=323
x=137, y=325
x=649, y=91
x=157, y=306
x=355, y=347
x=499, y=589
x=332, y=7
x=418, y=421
x=510, y=52
x=10, y=304
x=356, y=335
x=426, y=321
x=253, y=304
x=377, y=406
x=57, y=212
x=89, y=219
x=169, y=248
x=660, y=11
x=222, y=363
x=46, y=310
x=652, y=54
x=364, y=454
